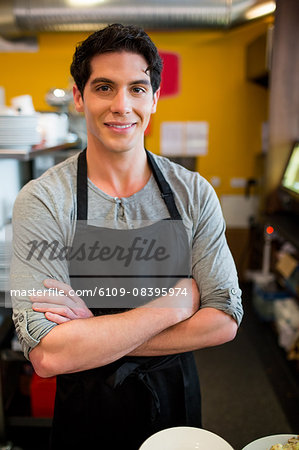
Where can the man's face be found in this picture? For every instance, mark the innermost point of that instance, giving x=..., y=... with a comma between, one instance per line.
x=118, y=101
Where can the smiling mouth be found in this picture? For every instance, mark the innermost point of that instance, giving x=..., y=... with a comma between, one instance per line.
x=120, y=127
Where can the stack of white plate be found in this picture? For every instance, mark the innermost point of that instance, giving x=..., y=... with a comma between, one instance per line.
x=19, y=132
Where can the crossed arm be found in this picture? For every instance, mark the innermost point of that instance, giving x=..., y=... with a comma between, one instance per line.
x=81, y=341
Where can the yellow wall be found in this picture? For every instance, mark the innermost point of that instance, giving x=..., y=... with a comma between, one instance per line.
x=213, y=89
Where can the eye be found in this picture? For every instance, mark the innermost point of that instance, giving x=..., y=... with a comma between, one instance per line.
x=138, y=90
x=103, y=88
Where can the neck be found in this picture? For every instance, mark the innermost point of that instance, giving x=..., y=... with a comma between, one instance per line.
x=118, y=174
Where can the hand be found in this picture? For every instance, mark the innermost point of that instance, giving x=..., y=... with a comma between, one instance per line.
x=183, y=304
x=60, y=304
x=190, y=304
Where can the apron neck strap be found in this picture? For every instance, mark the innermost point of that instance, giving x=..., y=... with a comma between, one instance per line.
x=165, y=189
x=82, y=197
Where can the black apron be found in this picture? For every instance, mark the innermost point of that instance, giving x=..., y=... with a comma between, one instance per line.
x=121, y=404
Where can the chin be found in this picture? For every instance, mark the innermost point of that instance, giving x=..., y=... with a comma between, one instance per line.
x=123, y=148
x=118, y=150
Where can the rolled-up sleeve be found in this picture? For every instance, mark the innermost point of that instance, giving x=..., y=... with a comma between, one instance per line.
x=213, y=266
x=32, y=220
x=31, y=327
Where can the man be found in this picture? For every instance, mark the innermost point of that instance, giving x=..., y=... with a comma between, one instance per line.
x=126, y=372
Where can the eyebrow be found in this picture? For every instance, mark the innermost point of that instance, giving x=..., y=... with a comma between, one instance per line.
x=107, y=80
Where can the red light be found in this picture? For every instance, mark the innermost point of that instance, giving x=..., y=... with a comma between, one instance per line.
x=269, y=230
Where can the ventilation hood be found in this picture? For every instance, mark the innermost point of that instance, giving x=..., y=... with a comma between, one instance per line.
x=27, y=16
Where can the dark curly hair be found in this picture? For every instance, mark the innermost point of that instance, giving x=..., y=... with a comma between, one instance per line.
x=115, y=38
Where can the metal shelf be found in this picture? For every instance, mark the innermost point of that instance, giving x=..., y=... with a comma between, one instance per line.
x=30, y=154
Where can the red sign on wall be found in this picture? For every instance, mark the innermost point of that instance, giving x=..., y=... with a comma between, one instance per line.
x=170, y=82
x=170, y=75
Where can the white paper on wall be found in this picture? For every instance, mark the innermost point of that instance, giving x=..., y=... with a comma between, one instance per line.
x=172, y=138
x=184, y=138
x=238, y=210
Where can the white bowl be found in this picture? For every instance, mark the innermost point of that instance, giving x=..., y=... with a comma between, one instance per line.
x=266, y=442
x=185, y=438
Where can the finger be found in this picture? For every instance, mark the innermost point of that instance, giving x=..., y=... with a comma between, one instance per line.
x=59, y=285
x=194, y=286
x=55, y=309
x=52, y=300
x=74, y=302
x=48, y=301
x=61, y=300
x=56, y=284
x=56, y=318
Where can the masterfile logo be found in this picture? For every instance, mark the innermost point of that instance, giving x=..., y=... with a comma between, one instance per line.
x=140, y=250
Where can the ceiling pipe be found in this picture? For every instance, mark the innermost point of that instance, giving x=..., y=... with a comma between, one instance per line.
x=29, y=16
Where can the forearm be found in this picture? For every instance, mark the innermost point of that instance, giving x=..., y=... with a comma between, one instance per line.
x=88, y=343
x=206, y=328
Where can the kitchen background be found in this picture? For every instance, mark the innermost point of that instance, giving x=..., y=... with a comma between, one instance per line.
x=236, y=80
x=213, y=87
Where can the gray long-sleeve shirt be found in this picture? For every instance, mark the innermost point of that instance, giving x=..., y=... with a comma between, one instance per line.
x=45, y=209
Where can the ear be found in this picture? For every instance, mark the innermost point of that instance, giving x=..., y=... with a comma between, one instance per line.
x=78, y=100
x=155, y=100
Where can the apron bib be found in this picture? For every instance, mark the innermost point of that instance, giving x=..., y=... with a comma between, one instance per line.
x=121, y=404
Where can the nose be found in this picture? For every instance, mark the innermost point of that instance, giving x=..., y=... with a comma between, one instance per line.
x=121, y=103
